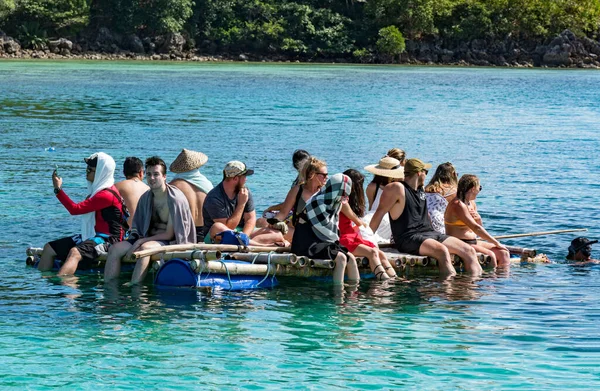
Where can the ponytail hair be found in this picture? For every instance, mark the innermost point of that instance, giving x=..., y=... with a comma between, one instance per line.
x=311, y=165
x=466, y=183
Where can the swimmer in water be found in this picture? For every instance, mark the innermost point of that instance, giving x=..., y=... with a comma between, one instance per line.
x=580, y=251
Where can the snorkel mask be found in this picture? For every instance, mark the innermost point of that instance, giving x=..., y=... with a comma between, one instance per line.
x=586, y=251
x=584, y=245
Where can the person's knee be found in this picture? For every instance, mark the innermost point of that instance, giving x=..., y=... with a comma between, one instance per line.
x=149, y=245
x=441, y=252
x=341, y=259
x=48, y=249
x=217, y=228
x=373, y=253
x=119, y=249
x=74, y=253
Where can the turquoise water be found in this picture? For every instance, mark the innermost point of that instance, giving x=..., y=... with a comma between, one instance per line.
x=531, y=136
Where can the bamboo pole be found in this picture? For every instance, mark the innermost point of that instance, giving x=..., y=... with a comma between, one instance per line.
x=206, y=255
x=521, y=251
x=561, y=231
x=322, y=263
x=259, y=258
x=302, y=261
x=216, y=247
x=236, y=269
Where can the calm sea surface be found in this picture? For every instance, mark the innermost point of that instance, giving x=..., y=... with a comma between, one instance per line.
x=532, y=136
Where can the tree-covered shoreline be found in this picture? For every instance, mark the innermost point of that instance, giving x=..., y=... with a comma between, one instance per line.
x=480, y=32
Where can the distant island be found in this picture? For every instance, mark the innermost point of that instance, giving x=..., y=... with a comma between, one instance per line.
x=518, y=33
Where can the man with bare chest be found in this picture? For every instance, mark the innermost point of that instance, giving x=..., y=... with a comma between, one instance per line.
x=162, y=217
x=193, y=184
x=132, y=188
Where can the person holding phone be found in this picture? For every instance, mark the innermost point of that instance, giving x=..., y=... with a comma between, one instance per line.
x=102, y=218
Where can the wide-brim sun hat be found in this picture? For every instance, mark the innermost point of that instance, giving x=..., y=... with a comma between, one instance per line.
x=187, y=161
x=387, y=167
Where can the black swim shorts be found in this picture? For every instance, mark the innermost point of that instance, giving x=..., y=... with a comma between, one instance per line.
x=89, y=249
x=411, y=244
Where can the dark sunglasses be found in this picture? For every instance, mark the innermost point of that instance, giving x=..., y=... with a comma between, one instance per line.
x=90, y=170
x=325, y=174
x=425, y=171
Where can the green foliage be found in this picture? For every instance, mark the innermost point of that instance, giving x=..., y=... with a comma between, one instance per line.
x=303, y=28
x=6, y=8
x=466, y=20
x=469, y=19
x=32, y=36
x=363, y=55
x=148, y=17
x=415, y=17
x=56, y=16
x=391, y=42
x=161, y=16
x=270, y=26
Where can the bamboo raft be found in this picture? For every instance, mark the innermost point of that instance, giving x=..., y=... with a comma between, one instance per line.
x=274, y=261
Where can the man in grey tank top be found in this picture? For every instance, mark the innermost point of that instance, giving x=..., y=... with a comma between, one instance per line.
x=411, y=228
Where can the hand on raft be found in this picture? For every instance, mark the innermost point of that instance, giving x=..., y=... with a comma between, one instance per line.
x=280, y=226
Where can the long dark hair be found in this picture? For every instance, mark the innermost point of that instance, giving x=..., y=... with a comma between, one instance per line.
x=357, y=195
x=380, y=180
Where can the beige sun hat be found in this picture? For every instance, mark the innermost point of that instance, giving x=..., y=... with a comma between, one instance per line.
x=387, y=167
x=187, y=161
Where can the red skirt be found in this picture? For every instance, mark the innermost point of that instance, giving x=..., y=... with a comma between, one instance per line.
x=350, y=236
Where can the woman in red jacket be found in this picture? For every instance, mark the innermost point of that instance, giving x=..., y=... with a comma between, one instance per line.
x=102, y=219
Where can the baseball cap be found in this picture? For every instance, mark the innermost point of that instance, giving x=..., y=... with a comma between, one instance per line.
x=236, y=168
x=92, y=161
x=414, y=165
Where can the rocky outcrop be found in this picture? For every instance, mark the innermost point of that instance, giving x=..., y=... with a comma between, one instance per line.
x=9, y=45
x=61, y=45
x=134, y=44
x=170, y=43
x=564, y=50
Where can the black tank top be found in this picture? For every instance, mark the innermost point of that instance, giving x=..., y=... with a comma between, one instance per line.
x=414, y=218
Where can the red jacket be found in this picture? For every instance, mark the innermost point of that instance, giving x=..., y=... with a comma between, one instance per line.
x=107, y=207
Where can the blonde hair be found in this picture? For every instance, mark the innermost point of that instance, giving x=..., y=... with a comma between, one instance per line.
x=398, y=154
x=311, y=166
x=445, y=174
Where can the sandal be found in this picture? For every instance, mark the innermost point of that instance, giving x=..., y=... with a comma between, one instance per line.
x=378, y=274
x=391, y=267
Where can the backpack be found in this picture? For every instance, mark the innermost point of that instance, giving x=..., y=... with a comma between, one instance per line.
x=124, y=210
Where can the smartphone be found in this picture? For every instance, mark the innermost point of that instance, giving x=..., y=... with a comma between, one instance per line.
x=56, y=169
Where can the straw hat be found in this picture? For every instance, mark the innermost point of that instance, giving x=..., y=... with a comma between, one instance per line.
x=387, y=167
x=187, y=161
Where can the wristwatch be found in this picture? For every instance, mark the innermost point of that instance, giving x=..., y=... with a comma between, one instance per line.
x=57, y=190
